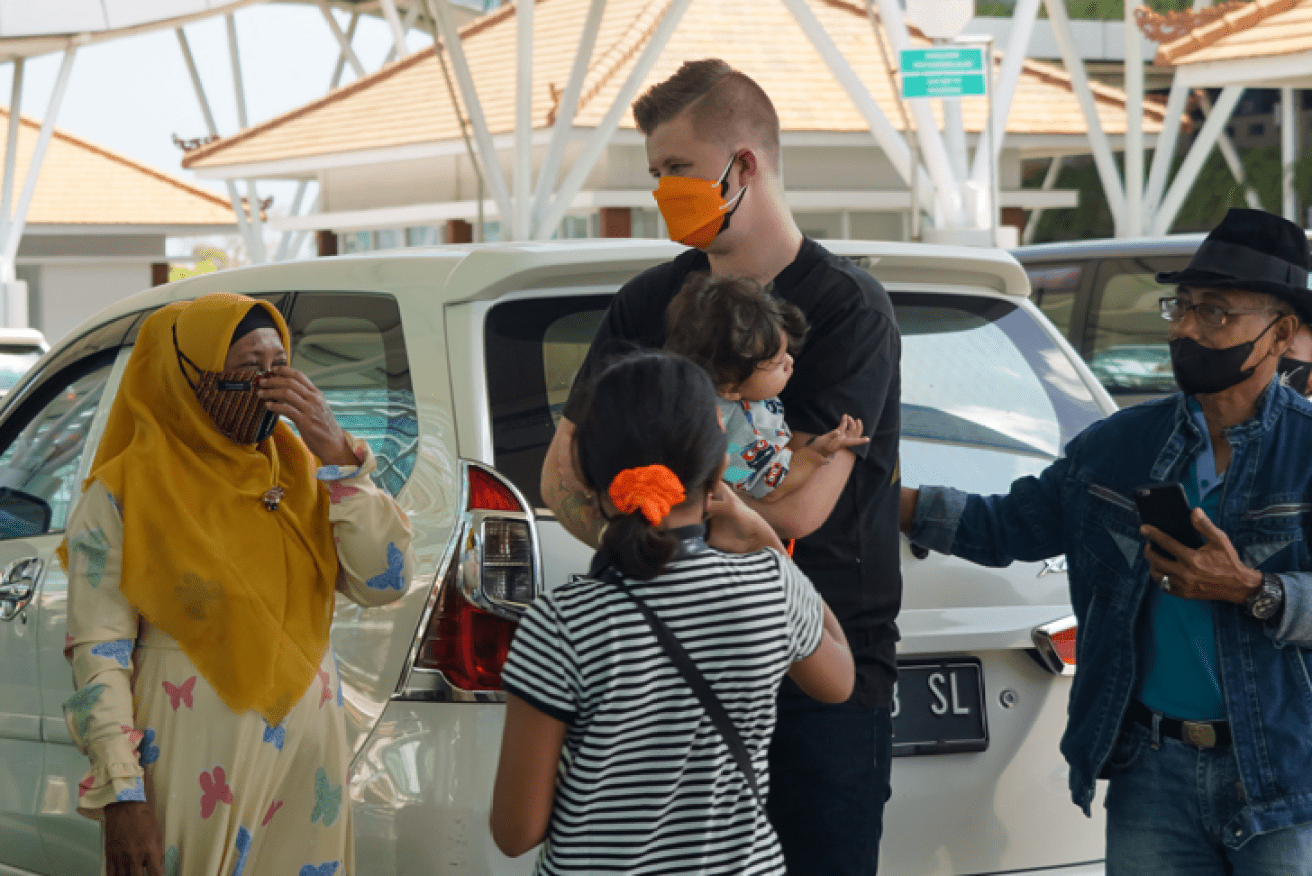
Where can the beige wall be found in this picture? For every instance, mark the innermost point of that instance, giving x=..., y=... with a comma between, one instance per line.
x=73, y=293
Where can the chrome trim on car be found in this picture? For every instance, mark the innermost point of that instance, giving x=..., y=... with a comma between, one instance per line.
x=1045, y=650
x=471, y=570
x=432, y=685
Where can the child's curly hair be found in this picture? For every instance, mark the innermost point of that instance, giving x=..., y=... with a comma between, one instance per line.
x=729, y=326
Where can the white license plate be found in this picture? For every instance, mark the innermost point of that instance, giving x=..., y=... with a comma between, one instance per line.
x=938, y=707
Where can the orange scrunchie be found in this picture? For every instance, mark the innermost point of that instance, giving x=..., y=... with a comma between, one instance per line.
x=651, y=489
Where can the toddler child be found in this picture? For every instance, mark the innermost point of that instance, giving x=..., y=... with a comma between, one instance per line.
x=743, y=337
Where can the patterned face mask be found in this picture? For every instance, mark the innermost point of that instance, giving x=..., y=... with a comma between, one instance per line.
x=231, y=398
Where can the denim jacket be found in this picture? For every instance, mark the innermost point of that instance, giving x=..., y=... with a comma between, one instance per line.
x=1082, y=506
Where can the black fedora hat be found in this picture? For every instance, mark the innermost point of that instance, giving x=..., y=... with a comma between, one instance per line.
x=1255, y=251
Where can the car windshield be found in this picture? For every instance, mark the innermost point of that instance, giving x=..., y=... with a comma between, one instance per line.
x=15, y=359
x=987, y=396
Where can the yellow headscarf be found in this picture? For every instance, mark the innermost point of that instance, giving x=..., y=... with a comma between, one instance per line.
x=246, y=592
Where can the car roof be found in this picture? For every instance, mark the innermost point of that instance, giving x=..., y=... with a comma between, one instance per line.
x=1173, y=244
x=1125, y=247
x=22, y=336
x=486, y=271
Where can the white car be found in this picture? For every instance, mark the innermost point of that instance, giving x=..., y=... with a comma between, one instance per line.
x=454, y=363
x=20, y=348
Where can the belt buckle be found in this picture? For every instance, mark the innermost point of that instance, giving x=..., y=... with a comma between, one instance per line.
x=1198, y=734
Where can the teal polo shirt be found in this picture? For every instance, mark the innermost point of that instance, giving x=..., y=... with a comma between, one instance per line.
x=1177, y=637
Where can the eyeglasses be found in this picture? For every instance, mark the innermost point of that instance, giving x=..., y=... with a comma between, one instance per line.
x=1210, y=315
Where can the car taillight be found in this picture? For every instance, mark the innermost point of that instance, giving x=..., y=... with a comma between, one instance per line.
x=467, y=645
x=1054, y=645
x=490, y=575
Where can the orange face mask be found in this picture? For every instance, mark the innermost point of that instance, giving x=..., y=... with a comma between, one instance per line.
x=695, y=210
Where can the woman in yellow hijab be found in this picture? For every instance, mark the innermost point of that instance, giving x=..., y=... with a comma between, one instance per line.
x=203, y=561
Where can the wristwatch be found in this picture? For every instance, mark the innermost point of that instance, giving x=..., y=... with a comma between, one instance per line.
x=1266, y=603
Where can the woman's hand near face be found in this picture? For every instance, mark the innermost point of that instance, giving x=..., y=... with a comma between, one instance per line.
x=290, y=394
x=133, y=843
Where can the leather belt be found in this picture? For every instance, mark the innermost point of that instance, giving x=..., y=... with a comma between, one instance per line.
x=1199, y=734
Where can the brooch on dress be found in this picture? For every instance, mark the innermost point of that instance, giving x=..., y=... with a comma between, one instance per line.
x=272, y=498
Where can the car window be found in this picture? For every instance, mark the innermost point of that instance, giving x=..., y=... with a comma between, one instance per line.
x=534, y=347
x=978, y=374
x=352, y=347
x=1129, y=352
x=987, y=396
x=1053, y=289
x=46, y=438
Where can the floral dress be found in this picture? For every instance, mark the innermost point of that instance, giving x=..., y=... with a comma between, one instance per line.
x=232, y=794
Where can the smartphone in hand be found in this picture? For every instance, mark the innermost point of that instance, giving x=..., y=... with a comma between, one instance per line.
x=1165, y=507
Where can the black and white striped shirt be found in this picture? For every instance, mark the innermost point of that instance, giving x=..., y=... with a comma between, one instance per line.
x=647, y=783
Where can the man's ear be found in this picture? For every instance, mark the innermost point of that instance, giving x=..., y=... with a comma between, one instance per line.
x=1284, y=332
x=747, y=167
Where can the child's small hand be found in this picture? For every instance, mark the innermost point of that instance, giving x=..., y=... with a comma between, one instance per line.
x=848, y=434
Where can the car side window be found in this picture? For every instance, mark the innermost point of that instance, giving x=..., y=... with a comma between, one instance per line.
x=351, y=346
x=1053, y=288
x=47, y=437
x=1129, y=353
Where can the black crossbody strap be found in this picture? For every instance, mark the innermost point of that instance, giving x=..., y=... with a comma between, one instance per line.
x=700, y=687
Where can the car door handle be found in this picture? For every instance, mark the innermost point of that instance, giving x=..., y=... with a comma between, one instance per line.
x=17, y=584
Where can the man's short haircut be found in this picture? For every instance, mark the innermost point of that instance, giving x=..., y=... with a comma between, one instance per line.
x=724, y=105
x=729, y=326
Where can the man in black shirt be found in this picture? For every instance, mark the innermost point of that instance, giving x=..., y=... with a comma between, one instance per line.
x=713, y=144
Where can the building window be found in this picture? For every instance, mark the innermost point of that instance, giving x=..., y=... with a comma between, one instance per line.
x=423, y=235
x=357, y=241
x=1257, y=129
x=644, y=223
x=575, y=226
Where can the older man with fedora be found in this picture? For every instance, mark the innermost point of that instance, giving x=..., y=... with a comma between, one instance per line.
x=1193, y=692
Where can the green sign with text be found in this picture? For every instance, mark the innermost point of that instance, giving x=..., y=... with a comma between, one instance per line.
x=943, y=71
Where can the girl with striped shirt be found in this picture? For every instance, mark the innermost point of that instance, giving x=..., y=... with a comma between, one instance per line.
x=608, y=757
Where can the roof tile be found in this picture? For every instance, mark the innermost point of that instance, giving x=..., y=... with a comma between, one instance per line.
x=407, y=102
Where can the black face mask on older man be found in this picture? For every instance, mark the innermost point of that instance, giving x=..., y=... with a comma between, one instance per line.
x=1202, y=370
x=231, y=398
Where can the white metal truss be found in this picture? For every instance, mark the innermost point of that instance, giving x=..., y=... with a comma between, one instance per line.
x=523, y=180
x=257, y=253
x=1288, y=153
x=1049, y=182
x=932, y=146
x=243, y=227
x=14, y=303
x=563, y=125
x=893, y=144
x=1193, y=162
x=1022, y=26
x=1132, y=219
x=343, y=42
x=11, y=156
x=1102, y=150
x=487, y=153
x=394, y=22
x=1231, y=156
x=596, y=142
x=342, y=59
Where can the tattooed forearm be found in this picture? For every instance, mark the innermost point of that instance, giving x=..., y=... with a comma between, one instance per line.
x=578, y=513
x=574, y=506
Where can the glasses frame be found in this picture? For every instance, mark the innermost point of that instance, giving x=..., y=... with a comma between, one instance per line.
x=1170, y=302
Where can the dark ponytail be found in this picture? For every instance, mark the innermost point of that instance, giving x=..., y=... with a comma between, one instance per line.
x=648, y=408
